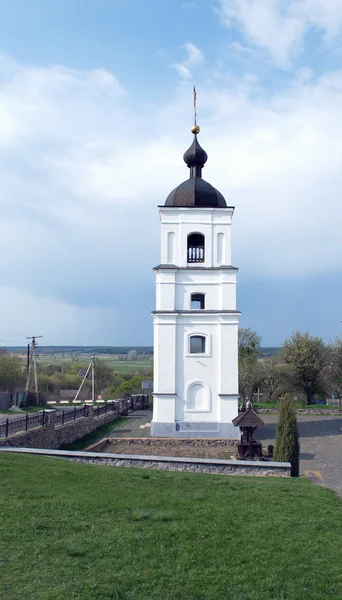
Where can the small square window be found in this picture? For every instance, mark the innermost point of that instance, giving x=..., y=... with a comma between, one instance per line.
x=197, y=344
x=197, y=302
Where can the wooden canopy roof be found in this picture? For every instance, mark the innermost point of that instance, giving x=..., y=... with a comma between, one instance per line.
x=248, y=418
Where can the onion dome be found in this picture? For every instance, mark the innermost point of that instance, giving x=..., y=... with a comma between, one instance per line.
x=195, y=191
x=195, y=156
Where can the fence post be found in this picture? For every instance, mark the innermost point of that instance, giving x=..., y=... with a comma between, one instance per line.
x=74, y=413
x=98, y=411
x=43, y=421
x=63, y=417
x=26, y=421
x=6, y=429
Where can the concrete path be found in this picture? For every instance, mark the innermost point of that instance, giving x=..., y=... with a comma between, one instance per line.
x=320, y=443
x=320, y=447
x=134, y=427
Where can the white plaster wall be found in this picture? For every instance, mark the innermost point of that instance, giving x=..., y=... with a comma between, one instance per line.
x=197, y=368
x=175, y=369
x=219, y=289
x=182, y=222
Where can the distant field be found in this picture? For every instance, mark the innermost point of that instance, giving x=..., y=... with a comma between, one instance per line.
x=111, y=360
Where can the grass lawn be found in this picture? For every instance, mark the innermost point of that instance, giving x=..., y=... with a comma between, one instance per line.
x=315, y=407
x=74, y=531
x=94, y=436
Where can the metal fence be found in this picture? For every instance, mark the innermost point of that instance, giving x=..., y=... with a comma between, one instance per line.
x=44, y=418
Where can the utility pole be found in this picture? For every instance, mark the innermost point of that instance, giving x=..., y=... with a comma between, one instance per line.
x=91, y=367
x=93, y=378
x=31, y=360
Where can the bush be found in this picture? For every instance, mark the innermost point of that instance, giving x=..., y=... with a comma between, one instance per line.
x=287, y=442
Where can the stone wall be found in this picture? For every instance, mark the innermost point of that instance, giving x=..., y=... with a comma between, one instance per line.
x=169, y=463
x=51, y=436
x=164, y=442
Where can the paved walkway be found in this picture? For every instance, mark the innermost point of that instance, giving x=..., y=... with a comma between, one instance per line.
x=320, y=443
x=134, y=427
x=320, y=446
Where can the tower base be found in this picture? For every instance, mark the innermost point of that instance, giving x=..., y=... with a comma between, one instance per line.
x=188, y=429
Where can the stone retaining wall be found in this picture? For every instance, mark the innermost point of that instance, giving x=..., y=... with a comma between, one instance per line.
x=163, y=442
x=169, y=463
x=50, y=436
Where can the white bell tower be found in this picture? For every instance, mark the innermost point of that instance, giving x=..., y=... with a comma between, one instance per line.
x=195, y=321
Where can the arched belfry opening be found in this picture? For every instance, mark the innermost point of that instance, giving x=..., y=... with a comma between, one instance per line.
x=196, y=248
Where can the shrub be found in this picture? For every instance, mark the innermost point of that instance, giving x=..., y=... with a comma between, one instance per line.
x=287, y=442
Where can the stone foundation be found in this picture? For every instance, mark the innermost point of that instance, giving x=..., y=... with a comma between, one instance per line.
x=54, y=437
x=185, y=429
x=169, y=463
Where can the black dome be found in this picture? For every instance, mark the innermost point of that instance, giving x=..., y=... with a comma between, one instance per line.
x=195, y=155
x=195, y=192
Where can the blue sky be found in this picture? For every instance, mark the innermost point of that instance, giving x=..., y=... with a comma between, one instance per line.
x=95, y=111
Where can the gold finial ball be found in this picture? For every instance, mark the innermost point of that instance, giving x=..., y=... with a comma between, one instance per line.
x=195, y=129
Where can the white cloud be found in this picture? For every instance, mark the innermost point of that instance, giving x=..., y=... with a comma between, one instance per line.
x=182, y=71
x=279, y=26
x=26, y=312
x=195, y=56
x=83, y=168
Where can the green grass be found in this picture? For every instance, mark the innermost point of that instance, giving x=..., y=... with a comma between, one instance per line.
x=94, y=436
x=74, y=531
x=317, y=407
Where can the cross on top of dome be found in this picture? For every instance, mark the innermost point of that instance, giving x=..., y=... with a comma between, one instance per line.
x=195, y=191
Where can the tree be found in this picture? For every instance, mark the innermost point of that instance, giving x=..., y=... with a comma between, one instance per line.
x=12, y=375
x=309, y=359
x=335, y=371
x=287, y=441
x=249, y=369
x=249, y=343
x=132, y=355
x=272, y=377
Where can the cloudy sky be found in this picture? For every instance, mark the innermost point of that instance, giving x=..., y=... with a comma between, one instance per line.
x=95, y=111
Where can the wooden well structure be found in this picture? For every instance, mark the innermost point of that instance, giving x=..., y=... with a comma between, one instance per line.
x=248, y=421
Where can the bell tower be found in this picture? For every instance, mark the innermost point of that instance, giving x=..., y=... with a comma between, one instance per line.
x=195, y=321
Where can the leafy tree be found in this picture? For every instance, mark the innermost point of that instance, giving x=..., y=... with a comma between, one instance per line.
x=287, y=441
x=132, y=355
x=309, y=359
x=12, y=374
x=335, y=371
x=103, y=374
x=249, y=343
x=249, y=369
x=272, y=375
x=131, y=386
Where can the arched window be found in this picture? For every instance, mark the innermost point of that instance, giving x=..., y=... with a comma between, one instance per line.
x=197, y=344
x=195, y=248
x=197, y=302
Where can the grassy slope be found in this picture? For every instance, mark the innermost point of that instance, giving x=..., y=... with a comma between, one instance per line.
x=89, y=532
x=94, y=436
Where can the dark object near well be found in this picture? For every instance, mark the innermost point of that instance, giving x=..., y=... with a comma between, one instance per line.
x=248, y=421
